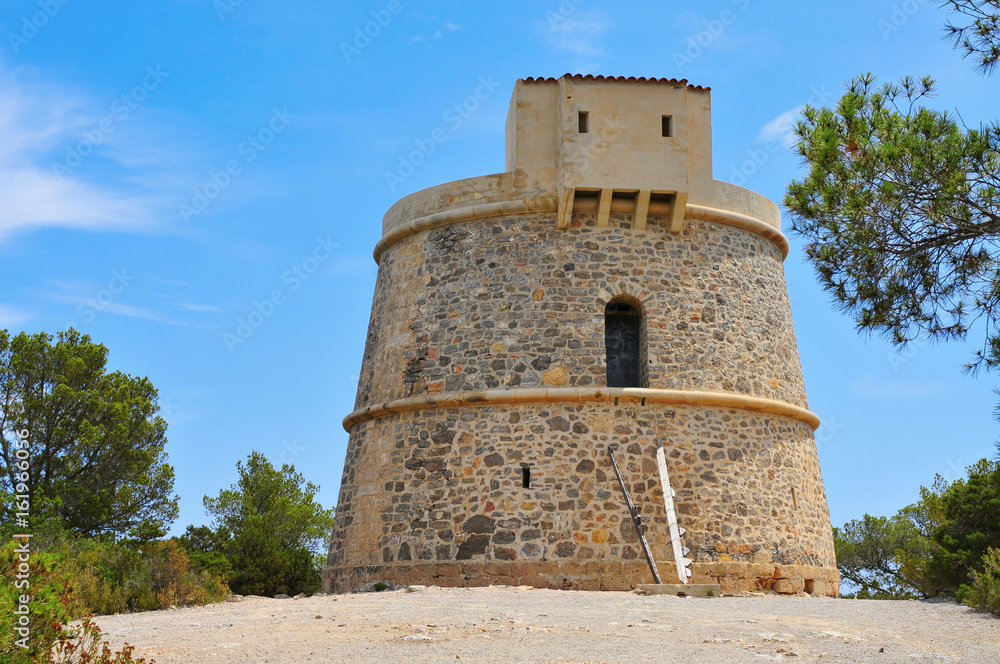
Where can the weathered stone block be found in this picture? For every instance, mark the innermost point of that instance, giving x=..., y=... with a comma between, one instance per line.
x=788, y=586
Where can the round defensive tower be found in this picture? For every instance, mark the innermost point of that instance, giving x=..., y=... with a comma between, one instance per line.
x=603, y=291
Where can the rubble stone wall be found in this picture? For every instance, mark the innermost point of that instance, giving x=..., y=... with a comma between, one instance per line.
x=434, y=494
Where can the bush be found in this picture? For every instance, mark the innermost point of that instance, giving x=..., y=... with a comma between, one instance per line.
x=269, y=527
x=47, y=637
x=101, y=576
x=885, y=557
x=84, y=645
x=52, y=604
x=970, y=526
x=984, y=591
x=206, y=550
x=116, y=577
x=937, y=546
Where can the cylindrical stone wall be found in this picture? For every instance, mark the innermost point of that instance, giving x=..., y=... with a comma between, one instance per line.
x=481, y=330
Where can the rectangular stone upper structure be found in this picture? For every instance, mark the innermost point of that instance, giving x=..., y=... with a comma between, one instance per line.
x=624, y=147
x=645, y=146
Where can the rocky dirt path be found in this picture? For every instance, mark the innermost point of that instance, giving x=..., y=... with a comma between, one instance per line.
x=520, y=625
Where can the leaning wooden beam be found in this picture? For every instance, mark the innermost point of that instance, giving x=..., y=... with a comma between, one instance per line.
x=640, y=529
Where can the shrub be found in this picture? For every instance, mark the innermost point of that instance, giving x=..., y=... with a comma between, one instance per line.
x=984, y=591
x=882, y=556
x=206, y=550
x=970, y=526
x=84, y=646
x=52, y=603
x=936, y=546
x=115, y=577
x=270, y=528
x=48, y=639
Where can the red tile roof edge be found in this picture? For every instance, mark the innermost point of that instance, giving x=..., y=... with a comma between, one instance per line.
x=631, y=79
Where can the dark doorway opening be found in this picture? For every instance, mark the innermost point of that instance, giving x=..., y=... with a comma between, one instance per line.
x=623, y=343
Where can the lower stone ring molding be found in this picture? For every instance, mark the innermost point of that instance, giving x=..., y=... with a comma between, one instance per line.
x=582, y=394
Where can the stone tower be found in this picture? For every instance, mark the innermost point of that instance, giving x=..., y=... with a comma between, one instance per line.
x=603, y=291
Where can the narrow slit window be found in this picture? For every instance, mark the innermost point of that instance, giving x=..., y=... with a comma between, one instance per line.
x=526, y=478
x=584, y=122
x=667, y=126
x=623, y=344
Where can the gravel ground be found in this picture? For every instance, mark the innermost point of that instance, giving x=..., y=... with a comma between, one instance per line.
x=503, y=624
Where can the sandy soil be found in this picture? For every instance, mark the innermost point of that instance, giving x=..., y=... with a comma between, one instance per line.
x=504, y=624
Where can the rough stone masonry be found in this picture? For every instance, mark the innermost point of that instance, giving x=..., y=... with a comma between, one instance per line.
x=478, y=446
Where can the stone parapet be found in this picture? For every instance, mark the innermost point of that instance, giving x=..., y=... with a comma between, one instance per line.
x=482, y=210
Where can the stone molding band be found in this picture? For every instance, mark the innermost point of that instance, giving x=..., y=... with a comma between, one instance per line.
x=740, y=221
x=578, y=394
x=551, y=204
x=448, y=217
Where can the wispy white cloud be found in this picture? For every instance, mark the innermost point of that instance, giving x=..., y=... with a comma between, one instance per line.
x=782, y=127
x=12, y=317
x=437, y=35
x=87, y=301
x=447, y=26
x=38, y=122
x=198, y=308
x=95, y=299
x=30, y=196
x=120, y=309
x=578, y=36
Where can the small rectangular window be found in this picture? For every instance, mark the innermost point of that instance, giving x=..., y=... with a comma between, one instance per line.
x=584, y=122
x=666, y=126
x=526, y=477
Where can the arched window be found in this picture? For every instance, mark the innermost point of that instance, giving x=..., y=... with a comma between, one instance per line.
x=623, y=344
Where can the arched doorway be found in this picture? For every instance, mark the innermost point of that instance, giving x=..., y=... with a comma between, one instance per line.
x=623, y=344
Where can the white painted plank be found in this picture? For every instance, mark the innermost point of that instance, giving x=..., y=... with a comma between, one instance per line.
x=682, y=562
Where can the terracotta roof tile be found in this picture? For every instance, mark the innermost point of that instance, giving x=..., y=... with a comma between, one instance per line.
x=633, y=79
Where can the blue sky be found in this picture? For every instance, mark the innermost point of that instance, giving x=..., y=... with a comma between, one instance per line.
x=168, y=169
